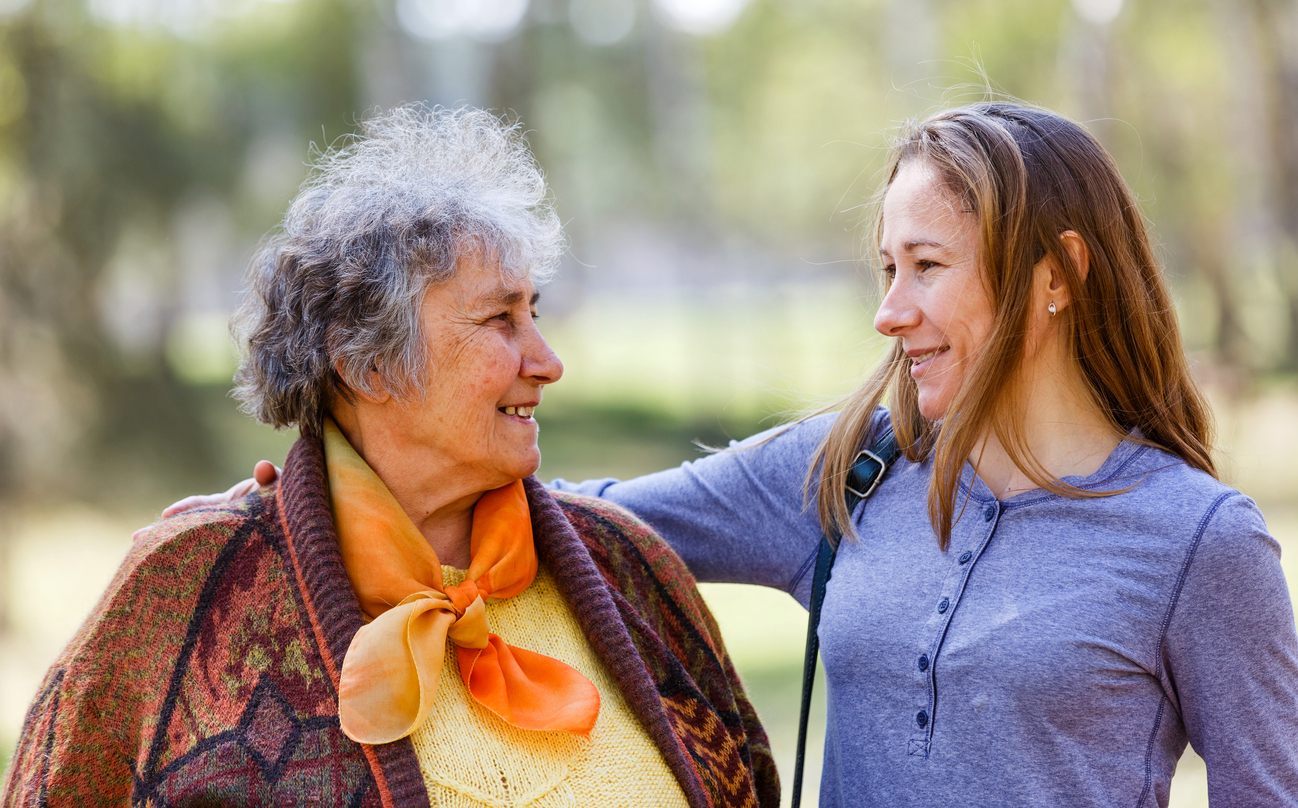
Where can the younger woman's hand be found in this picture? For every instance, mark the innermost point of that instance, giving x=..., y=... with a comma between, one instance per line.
x=264, y=473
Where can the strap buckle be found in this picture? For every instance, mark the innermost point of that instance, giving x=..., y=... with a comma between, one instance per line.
x=874, y=478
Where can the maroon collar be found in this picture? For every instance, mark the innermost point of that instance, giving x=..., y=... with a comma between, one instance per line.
x=330, y=606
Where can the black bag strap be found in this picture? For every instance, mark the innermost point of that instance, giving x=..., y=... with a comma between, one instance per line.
x=863, y=477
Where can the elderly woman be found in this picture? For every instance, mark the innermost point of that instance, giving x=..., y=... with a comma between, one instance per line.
x=408, y=618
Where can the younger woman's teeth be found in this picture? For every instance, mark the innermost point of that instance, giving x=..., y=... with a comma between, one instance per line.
x=926, y=357
x=521, y=412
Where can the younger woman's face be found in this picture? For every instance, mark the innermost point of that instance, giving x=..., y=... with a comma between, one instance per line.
x=937, y=303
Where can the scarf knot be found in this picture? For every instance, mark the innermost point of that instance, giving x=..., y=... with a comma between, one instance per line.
x=463, y=595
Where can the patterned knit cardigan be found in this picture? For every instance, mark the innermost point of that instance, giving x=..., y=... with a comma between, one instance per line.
x=208, y=672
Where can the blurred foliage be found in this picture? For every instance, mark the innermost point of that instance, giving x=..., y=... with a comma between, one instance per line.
x=145, y=147
x=117, y=129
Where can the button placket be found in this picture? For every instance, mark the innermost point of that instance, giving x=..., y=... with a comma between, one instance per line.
x=944, y=610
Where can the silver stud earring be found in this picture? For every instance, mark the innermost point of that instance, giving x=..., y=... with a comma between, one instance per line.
x=1051, y=308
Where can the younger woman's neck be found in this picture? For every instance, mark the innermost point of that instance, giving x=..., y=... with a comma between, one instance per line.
x=1062, y=428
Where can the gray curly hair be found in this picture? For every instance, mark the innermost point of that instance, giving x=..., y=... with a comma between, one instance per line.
x=336, y=293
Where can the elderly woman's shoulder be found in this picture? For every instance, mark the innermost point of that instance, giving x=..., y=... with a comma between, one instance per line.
x=600, y=515
x=199, y=606
x=636, y=561
x=188, y=545
x=175, y=573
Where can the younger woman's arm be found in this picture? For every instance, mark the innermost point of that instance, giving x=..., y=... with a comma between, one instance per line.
x=736, y=516
x=1231, y=658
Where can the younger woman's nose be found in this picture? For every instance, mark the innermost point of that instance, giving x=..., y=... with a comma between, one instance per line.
x=897, y=312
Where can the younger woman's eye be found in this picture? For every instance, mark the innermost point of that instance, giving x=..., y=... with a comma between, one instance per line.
x=890, y=270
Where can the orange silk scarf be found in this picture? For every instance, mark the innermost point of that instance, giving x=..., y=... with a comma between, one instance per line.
x=390, y=673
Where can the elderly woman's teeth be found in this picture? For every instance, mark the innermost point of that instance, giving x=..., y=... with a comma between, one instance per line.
x=521, y=412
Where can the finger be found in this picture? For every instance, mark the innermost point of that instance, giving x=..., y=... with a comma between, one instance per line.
x=139, y=533
x=189, y=503
x=265, y=472
x=240, y=489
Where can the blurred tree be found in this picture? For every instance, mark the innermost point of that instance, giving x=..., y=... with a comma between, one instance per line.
x=1274, y=29
x=105, y=132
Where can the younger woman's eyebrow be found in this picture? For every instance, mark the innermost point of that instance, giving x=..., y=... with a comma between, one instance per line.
x=911, y=245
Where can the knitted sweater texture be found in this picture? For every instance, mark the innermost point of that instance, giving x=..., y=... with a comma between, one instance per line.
x=208, y=672
x=472, y=759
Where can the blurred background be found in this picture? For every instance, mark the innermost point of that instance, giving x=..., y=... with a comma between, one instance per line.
x=713, y=161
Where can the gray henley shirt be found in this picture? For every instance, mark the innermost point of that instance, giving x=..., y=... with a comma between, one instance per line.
x=1061, y=652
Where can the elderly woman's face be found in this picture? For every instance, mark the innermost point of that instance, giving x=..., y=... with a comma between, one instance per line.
x=937, y=303
x=487, y=363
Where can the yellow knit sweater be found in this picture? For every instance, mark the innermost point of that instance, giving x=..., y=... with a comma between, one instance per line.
x=470, y=758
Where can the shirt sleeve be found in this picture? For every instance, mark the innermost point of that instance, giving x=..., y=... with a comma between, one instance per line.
x=737, y=516
x=1231, y=658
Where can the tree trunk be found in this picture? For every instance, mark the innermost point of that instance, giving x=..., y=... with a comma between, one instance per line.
x=1275, y=26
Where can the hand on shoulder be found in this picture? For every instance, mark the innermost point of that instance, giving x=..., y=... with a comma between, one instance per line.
x=263, y=474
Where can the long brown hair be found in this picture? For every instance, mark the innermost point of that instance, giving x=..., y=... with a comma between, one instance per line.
x=1029, y=175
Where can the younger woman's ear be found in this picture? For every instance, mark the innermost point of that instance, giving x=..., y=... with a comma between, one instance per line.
x=1050, y=276
x=1075, y=246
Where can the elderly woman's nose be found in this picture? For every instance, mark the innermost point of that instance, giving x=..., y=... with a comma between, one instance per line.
x=897, y=311
x=540, y=362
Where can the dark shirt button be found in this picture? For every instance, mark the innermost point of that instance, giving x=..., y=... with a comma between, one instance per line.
x=990, y=513
x=943, y=606
x=923, y=662
x=921, y=718
x=965, y=556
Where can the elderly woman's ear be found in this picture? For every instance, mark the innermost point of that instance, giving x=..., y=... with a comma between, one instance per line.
x=379, y=396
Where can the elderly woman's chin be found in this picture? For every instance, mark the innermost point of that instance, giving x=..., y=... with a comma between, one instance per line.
x=439, y=441
x=510, y=454
x=521, y=461
x=513, y=453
